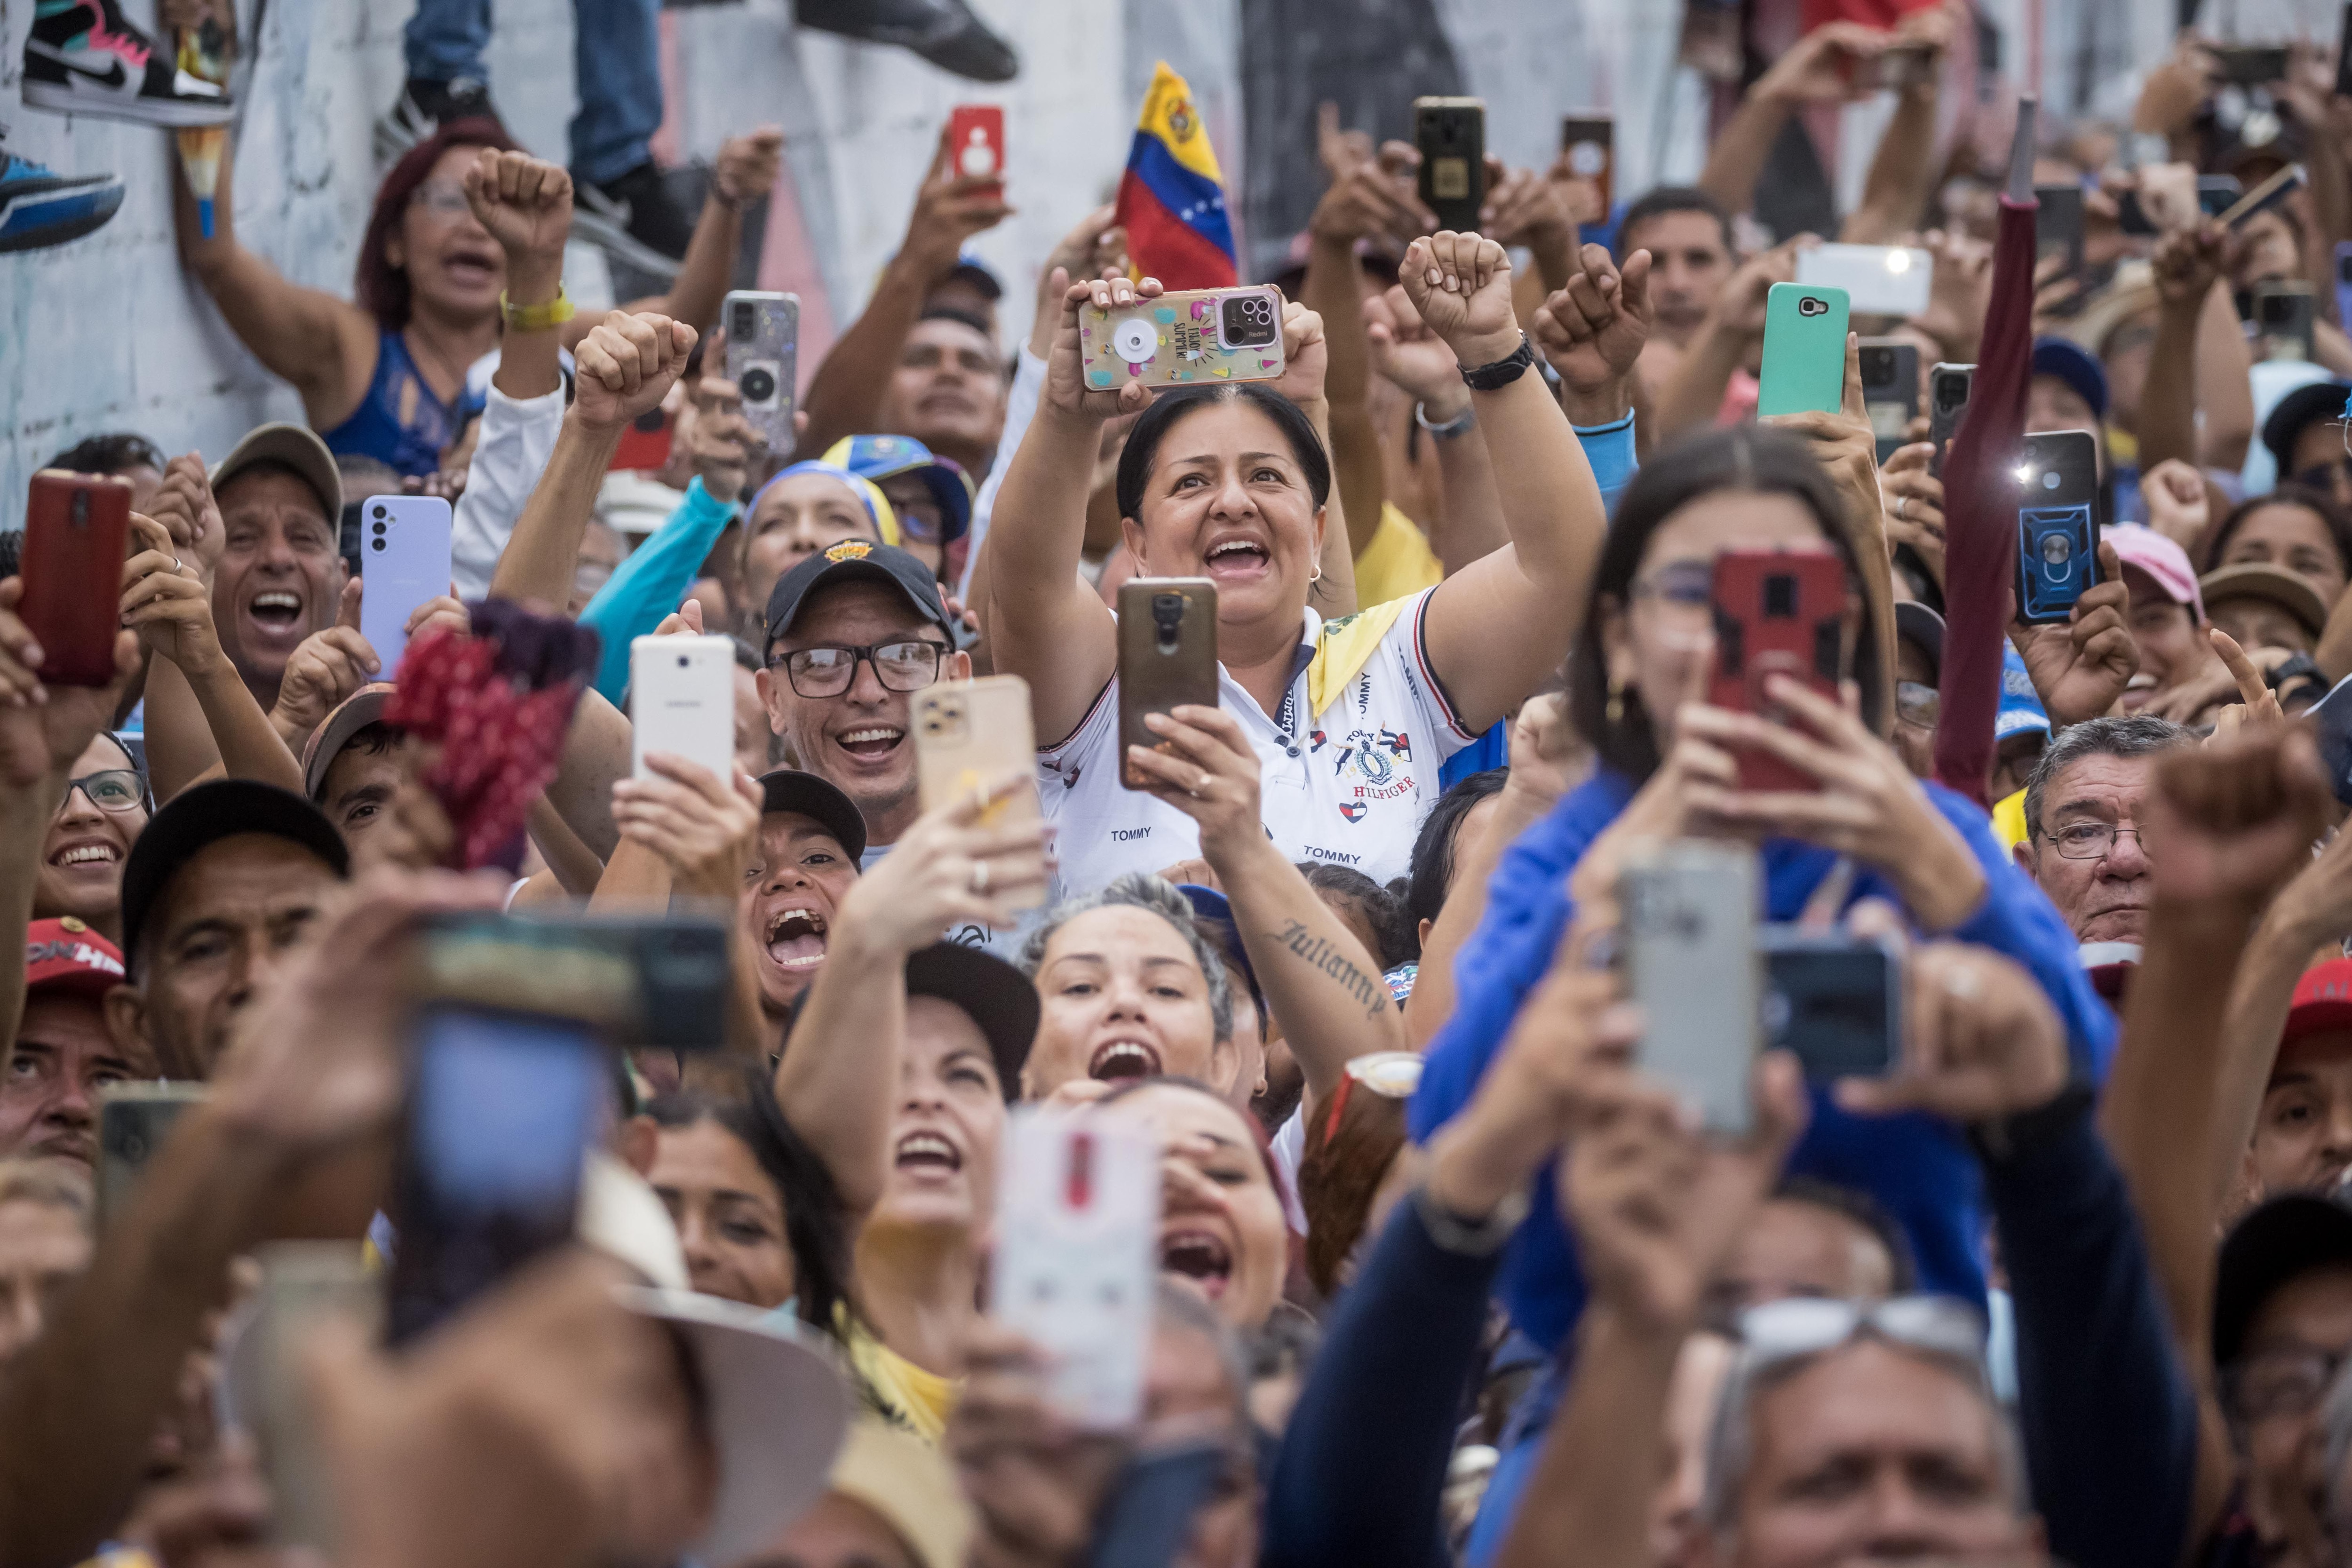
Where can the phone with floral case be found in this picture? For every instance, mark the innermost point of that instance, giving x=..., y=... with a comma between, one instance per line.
x=1198, y=337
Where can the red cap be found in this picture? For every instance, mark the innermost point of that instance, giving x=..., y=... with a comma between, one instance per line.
x=67, y=955
x=2323, y=1000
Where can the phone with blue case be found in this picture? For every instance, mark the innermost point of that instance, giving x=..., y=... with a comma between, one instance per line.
x=2057, y=523
x=1804, y=349
x=404, y=562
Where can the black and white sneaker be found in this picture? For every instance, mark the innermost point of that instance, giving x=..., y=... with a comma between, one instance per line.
x=83, y=58
x=423, y=108
x=943, y=32
x=635, y=219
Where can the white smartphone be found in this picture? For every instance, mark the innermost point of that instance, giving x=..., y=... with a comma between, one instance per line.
x=1077, y=1231
x=1691, y=963
x=682, y=701
x=403, y=561
x=1879, y=279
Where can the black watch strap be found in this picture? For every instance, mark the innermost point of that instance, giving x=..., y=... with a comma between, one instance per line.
x=1503, y=372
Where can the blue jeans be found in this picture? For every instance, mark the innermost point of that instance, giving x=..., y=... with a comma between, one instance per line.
x=618, y=52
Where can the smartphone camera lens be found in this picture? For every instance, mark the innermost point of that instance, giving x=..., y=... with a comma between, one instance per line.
x=1781, y=598
x=2050, y=480
x=1249, y=320
x=380, y=515
x=759, y=385
x=1812, y=305
x=683, y=661
x=1166, y=616
x=1878, y=366
x=378, y=541
x=743, y=323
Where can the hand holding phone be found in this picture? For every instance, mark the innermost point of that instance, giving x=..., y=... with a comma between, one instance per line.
x=1193, y=337
x=1777, y=612
x=763, y=360
x=1804, y=351
x=976, y=145
x=404, y=546
x=1450, y=134
x=1166, y=657
x=2057, y=524
x=682, y=701
x=970, y=736
x=76, y=537
x=1588, y=145
x=1691, y=964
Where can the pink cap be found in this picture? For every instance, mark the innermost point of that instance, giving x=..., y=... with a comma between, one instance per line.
x=2161, y=559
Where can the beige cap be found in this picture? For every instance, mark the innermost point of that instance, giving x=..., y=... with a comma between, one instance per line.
x=296, y=446
x=2258, y=580
x=352, y=714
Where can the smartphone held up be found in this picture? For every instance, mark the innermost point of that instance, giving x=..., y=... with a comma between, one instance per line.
x=1193, y=337
x=76, y=537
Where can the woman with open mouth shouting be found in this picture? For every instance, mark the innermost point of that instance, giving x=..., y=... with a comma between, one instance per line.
x=1351, y=714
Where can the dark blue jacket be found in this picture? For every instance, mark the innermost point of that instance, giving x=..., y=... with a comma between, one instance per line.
x=1914, y=1165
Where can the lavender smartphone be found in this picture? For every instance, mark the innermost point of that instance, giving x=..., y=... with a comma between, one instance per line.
x=404, y=562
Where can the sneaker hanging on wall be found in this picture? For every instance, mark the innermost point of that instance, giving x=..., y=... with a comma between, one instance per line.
x=39, y=208
x=633, y=219
x=424, y=107
x=83, y=58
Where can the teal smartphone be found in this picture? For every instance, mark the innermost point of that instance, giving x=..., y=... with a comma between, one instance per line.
x=1804, y=349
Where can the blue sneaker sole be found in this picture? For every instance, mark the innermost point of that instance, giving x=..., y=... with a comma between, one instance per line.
x=36, y=220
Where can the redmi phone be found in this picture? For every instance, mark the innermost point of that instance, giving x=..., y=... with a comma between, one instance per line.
x=682, y=701
x=76, y=537
x=2287, y=317
x=133, y=1120
x=1197, y=337
x=1804, y=349
x=2057, y=523
x=1776, y=612
x=1878, y=279
x=2058, y=224
x=404, y=562
x=501, y=1109
x=1589, y=142
x=763, y=334
x=1166, y=657
x=1832, y=999
x=1451, y=135
x=1890, y=390
x=1948, y=385
x=1690, y=965
x=976, y=143
x=1079, y=1255
x=971, y=734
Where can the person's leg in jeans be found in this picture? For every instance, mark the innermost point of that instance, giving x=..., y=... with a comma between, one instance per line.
x=618, y=43
x=445, y=40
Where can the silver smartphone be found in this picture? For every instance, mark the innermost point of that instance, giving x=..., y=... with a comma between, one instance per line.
x=133, y=1120
x=1692, y=965
x=303, y=1284
x=764, y=333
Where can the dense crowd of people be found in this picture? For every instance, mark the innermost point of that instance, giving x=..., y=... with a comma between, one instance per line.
x=1451, y=1266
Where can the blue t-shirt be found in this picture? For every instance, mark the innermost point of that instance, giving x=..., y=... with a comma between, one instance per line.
x=1914, y=1165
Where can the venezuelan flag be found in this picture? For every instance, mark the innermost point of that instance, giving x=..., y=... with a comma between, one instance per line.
x=1172, y=196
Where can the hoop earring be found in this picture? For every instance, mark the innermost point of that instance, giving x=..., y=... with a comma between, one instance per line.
x=1615, y=711
x=1315, y=576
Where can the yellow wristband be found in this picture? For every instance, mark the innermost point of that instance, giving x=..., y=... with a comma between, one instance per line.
x=537, y=318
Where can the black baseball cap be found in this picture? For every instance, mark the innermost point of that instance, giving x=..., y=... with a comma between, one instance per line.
x=1923, y=628
x=2305, y=406
x=789, y=789
x=992, y=993
x=2283, y=1239
x=195, y=820
x=855, y=561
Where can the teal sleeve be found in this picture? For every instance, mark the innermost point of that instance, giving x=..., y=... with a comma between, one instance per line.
x=652, y=583
x=1609, y=448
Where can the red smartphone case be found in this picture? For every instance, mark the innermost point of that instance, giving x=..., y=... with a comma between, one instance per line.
x=976, y=141
x=77, y=536
x=1776, y=612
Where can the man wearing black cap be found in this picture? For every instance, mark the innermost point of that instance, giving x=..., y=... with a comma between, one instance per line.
x=217, y=890
x=2304, y=432
x=851, y=631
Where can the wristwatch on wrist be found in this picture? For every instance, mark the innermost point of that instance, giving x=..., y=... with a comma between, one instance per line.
x=1503, y=372
x=1468, y=1238
x=1454, y=427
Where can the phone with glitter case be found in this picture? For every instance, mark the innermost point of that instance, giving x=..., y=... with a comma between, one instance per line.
x=1196, y=337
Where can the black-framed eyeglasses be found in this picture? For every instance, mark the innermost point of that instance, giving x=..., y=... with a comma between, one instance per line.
x=2092, y=841
x=111, y=789
x=827, y=670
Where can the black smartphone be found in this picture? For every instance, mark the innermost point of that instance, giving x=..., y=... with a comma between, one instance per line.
x=501, y=1108
x=2264, y=196
x=1451, y=136
x=1589, y=141
x=1947, y=398
x=1833, y=1000
x=658, y=982
x=2058, y=224
x=2251, y=64
x=133, y=1120
x=2131, y=217
x=2057, y=523
x=2343, y=55
x=1890, y=390
x=2285, y=318
x=2217, y=193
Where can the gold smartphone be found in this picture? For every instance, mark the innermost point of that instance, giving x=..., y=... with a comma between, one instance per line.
x=971, y=734
x=1166, y=657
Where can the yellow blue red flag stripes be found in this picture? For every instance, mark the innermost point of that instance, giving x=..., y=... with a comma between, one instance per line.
x=1172, y=199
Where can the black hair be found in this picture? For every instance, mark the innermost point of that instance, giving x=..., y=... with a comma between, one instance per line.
x=816, y=1225
x=746, y=656
x=958, y=313
x=1398, y=939
x=2318, y=503
x=1758, y=458
x=1855, y=1205
x=1432, y=849
x=1143, y=442
x=1661, y=200
x=109, y=454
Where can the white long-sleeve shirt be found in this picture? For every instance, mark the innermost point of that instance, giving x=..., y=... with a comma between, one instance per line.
x=517, y=439
x=1019, y=409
